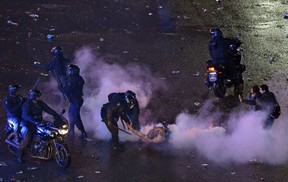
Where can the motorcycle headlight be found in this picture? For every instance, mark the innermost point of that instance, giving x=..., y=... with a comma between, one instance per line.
x=63, y=130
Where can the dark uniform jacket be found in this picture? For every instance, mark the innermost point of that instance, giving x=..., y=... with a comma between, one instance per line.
x=58, y=67
x=117, y=107
x=32, y=111
x=267, y=101
x=73, y=88
x=13, y=105
x=219, y=50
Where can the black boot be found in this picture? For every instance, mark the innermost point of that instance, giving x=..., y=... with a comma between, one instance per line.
x=71, y=133
x=119, y=147
x=20, y=157
x=83, y=135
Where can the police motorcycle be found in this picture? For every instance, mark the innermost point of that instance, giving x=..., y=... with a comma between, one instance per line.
x=220, y=78
x=47, y=143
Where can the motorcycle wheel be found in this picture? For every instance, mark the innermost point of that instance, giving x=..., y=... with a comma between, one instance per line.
x=12, y=137
x=219, y=90
x=62, y=155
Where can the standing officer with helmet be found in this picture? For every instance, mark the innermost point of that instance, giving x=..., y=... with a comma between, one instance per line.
x=73, y=89
x=13, y=105
x=123, y=106
x=58, y=65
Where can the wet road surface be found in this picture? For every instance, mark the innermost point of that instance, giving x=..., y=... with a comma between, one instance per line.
x=168, y=37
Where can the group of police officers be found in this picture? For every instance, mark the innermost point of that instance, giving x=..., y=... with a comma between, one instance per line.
x=123, y=106
x=28, y=111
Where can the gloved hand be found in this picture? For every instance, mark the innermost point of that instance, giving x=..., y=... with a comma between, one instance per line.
x=129, y=126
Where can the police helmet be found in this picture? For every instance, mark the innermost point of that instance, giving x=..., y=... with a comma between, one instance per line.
x=34, y=93
x=215, y=32
x=13, y=89
x=130, y=99
x=57, y=51
x=73, y=69
x=129, y=92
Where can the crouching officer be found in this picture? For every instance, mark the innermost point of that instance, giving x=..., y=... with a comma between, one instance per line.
x=122, y=106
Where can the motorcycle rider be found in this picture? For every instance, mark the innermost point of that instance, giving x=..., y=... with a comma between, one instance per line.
x=218, y=47
x=124, y=106
x=58, y=65
x=223, y=53
x=73, y=89
x=32, y=111
x=13, y=106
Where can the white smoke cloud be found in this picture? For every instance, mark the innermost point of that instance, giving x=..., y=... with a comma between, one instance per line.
x=102, y=78
x=248, y=140
x=243, y=140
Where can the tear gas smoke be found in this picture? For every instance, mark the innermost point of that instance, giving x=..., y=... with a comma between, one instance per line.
x=245, y=141
x=102, y=78
x=248, y=140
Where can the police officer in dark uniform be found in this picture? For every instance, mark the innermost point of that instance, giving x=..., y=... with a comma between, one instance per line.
x=123, y=106
x=133, y=111
x=73, y=89
x=13, y=105
x=218, y=47
x=58, y=65
x=223, y=51
x=32, y=111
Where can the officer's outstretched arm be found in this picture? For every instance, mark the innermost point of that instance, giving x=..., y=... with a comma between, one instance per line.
x=49, y=110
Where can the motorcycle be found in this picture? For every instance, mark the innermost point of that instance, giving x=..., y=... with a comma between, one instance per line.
x=220, y=77
x=47, y=142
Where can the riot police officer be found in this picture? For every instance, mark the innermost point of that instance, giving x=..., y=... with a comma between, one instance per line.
x=218, y=47
x=124, y=106
x=32, y=111
x=58, y=65
x=13, y=105
x=73, y=89
x=224, y=52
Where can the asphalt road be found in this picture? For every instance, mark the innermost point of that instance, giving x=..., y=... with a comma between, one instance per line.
x=157, y=49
